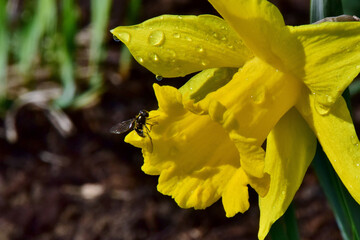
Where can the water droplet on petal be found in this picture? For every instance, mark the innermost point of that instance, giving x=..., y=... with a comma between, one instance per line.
x=259, y=96
x=321, y=109
x=354, y=140
x=200, y=49
x=140, y=59
x=116, y=39
x=188, y=38
x=171, y=52
x=179, y=17
x=123, y=36
x=158, y=78
x=323, y=103
x=204, y=63
x=154, y=57
x=156, y=38
x=176, y=35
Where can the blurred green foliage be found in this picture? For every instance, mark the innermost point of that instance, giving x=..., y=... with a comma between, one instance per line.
x=40, y=36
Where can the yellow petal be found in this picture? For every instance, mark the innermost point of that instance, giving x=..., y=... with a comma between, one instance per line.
x=235, y=190
x=337, y=136
x=257, y=97
x=332, y=53
x=261, y=26
x=291, y=146
x=172, y=46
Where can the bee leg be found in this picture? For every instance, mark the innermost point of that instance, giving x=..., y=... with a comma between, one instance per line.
x=151, y=125
x=151, y=143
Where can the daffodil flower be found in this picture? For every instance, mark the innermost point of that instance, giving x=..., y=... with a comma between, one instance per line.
x=259, y=79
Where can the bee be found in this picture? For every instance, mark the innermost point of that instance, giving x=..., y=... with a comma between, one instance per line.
x=138, y=123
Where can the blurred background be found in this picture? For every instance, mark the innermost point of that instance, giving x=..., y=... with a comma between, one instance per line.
x=64, y=82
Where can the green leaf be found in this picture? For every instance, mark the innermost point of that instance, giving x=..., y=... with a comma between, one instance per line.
x=44, y=20
x=351, y=7
x=325, y=8
x=100, y=13
x=285, y=228
x=132, y=15
x=66, y=53
x=4, y=46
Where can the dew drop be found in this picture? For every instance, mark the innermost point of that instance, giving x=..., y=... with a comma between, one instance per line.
x=172, y=53
x=116, y=39
x=123, y=36
x=200, y=49
x=158, y=78
x=230, y=46
x=215, y=35
x=179, y=17
x=188, y=38
x=154, y=57
x=140, y=59
x=176, y=35
x=354, y=140
x=156, y=38
x=321, y=109
x=259, y=96
x=323, y=103
x=203, y=63
x=330, y=99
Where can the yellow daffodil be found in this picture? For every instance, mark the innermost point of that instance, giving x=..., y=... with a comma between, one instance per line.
x=259, y=79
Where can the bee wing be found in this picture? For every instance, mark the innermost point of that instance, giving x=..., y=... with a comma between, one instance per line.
x=122, y=127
